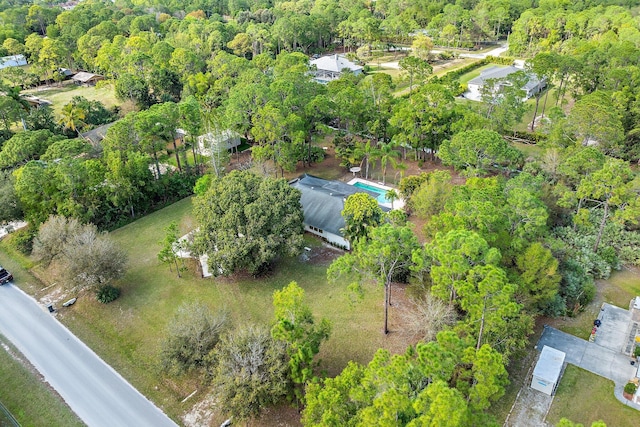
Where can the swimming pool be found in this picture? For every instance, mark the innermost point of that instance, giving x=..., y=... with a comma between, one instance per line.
x=381, y=191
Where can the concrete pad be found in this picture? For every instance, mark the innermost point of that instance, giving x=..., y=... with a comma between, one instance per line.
x=612, y=333
x=530, y=408
x=592, y=357
x=598, y=360
x=574, y=347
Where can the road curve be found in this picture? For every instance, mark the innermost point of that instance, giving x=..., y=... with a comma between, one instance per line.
x=93, y=390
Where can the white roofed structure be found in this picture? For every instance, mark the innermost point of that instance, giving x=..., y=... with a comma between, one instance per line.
x=330, y=67
x=546, y=374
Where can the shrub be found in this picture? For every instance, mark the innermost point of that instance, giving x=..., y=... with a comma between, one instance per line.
x=317, y=155
x=22, y=240
x=636, y=351
x=191, y=335
x=630, y=388
x=107, y=293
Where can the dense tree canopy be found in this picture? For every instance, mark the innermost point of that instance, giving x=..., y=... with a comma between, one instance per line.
x=246, y=222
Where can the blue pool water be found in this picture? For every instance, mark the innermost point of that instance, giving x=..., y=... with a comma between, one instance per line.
x=381, y=191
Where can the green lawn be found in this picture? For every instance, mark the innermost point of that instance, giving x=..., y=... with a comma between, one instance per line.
x=60, y=96
x=529, y=150
x=128, y=332
x=584, y=397
x=465, y=78
x=622, y=287
x=27, y=397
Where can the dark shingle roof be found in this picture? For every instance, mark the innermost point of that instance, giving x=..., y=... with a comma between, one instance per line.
x=323, y=201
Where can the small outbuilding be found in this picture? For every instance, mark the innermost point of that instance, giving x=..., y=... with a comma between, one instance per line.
x=12, y=61
x=87, y=79
x=227, y=138
x=546, y=374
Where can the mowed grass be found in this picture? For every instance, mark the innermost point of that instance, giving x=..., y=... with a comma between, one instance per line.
x=27, y=397
x=467, y=77
x=61, y=96
x=584, y=397
x=128, y=332
x=622, y=286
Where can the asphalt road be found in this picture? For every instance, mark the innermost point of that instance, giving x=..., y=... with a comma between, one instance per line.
x=93, y=390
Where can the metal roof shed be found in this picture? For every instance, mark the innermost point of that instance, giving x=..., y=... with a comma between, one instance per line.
x=546, y=374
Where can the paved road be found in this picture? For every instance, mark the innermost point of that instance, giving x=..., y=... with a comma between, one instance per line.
x=93, y=390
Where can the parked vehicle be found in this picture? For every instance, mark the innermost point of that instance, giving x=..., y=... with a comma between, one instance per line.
x=5, y=276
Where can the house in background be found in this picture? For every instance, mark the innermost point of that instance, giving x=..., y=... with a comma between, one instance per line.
x=36, y=102
x=87, y=79
x=95, y=136
x=12, y=61
x=322, y=203
x=328, y=68
x=474, y=86
x=227, y=137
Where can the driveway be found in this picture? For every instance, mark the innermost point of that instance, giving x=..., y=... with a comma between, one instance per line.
x=604, y=356
x=93, y=390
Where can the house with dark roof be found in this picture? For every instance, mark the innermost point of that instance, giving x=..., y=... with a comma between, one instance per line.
x=88, y=79
x=95, y=136
x=322, y=203
x=328, y=68
x=497, y=72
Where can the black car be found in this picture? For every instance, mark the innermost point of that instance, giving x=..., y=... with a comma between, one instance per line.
x=5, y=276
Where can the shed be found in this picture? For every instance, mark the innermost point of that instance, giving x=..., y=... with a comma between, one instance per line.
x=87, y=78
x=546, y=374
x=229, y=138
x=12, y=61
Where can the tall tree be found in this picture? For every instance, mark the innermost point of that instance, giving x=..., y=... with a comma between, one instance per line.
x=294, y=324
x=478, y=152
x=247, y=221
x=361, y=213
x=250, y=372
x=384, y=258
x=611, y=187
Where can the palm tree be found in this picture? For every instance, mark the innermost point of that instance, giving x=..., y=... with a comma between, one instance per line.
x=392, y=195
x=388, y=154
x=72, y=117
x=368, y=152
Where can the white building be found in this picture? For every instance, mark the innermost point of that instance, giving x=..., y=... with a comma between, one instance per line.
x=546, y=374
x=328, y=68
x=227, y=137
x=12, y=61
x=474, y=87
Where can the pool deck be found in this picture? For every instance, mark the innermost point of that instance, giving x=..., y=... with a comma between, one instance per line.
x=397, y=204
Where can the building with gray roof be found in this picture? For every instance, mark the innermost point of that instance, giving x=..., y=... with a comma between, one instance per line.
x=322, y=202
x=546, y=374
x=497, y=72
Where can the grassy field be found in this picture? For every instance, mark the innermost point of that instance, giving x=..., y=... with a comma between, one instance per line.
x=60, y=96
x=622, y=287
x=465, y=78
x=584, y=397
x=128, y=332
x=27, y=397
